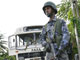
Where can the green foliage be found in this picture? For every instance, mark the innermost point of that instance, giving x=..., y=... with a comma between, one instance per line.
x=78, y=26
x=70, y=14
x=3, y=48
x=11, y=57
x=76, y=21
x=2, y=42
x=73, y=38
x=5, y=56
x=1, y=58
x=63, y=9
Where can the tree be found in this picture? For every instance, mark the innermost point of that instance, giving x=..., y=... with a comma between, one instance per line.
x=2, y=47
x=7, y=57
x=67, y=12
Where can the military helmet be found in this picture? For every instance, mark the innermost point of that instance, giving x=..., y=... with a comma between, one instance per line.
x=52, y=5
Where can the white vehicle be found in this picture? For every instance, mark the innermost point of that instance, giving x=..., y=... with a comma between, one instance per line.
x=26, y=45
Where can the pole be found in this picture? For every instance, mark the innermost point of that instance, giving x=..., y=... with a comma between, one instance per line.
x=74, y=6
x=77, y=40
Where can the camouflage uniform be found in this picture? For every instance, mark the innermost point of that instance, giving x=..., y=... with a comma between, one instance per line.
x=65, y=38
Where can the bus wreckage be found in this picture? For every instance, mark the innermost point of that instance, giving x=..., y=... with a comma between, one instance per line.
x=26, y=45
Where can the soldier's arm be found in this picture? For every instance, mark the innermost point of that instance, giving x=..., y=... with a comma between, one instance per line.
x=43, y=36
x=65, y=36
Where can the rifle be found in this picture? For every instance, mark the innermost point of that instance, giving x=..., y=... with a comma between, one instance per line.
x=50, y=52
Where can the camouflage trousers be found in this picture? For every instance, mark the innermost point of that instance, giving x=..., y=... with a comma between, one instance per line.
x=49, y=56
x=63, y=56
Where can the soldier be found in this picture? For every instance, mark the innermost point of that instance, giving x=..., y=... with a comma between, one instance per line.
x=54, y=32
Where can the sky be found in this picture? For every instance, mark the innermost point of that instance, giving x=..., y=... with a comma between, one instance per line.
x=19, y=13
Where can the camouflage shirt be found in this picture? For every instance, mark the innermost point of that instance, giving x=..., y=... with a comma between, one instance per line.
x=49, y=30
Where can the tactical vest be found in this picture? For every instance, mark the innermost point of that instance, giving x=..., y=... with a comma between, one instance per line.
x=57, y=28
